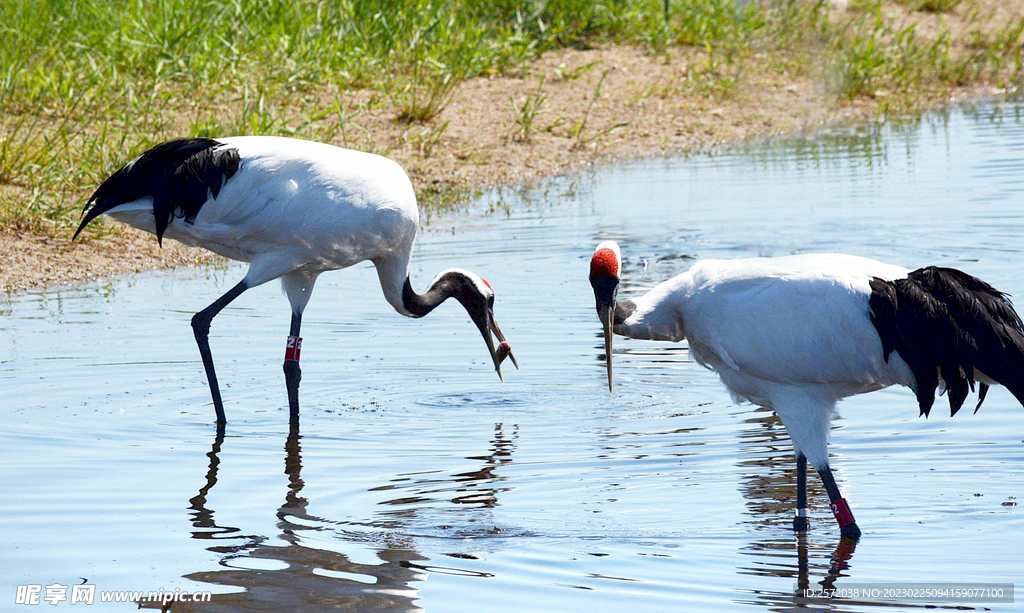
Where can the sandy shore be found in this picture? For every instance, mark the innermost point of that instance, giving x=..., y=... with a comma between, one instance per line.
x=646, y=105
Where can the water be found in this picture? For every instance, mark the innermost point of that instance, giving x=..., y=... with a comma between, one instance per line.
x=418, y=481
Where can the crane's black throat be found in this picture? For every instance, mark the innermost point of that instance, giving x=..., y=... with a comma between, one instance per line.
x=451, y=284
x=606, y=290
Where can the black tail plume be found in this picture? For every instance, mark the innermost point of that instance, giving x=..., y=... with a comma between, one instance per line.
x=944, y=322
x=178, y=174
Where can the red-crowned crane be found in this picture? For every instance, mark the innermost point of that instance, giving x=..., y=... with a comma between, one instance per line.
x=799, y=333
x=292, y=209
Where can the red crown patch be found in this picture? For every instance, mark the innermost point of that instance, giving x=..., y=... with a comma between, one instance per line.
x=604, y=263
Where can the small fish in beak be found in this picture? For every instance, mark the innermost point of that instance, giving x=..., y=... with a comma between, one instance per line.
x=504, y=350
x=488, y=325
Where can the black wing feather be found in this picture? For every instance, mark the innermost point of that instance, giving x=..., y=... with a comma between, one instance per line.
x=178, y=175
x=945, y=322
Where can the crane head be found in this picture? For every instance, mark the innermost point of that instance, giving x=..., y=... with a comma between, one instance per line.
x=478, y=300
x=605, y=269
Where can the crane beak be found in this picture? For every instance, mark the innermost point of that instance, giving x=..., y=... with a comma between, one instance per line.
x=504, y=349
x=486, y=324
x=608, y=336
x=606, y=288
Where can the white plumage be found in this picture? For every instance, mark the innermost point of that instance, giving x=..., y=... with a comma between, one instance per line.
x=780, y=332
x=304, y=207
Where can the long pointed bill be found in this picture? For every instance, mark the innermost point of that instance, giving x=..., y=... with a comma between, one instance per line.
x=494, y=354
x=504, y=349
x=486, y=324
x=608, y=335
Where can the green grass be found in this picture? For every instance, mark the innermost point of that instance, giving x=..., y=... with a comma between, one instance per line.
x=879, y=58
x=932, y=6
x=525, y=114
x=86, y=84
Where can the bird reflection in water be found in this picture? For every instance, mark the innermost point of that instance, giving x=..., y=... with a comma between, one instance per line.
x=769, y=487
x=308, y=581
x=311, y=578
x=481, y=486
x=475, y=492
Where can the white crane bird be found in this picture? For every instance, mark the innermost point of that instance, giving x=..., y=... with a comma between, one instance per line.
x=799, y=333
x=292, y=209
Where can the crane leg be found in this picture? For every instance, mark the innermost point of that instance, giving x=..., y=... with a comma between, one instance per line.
x=847, y=524
x=292, y=373
x=800, y=523
x=201, y=328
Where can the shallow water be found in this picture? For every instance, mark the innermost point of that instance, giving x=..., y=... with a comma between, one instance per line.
x=418, y=481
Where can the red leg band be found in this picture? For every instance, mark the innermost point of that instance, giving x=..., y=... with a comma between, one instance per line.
x=291, y=350
x=842, y=512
